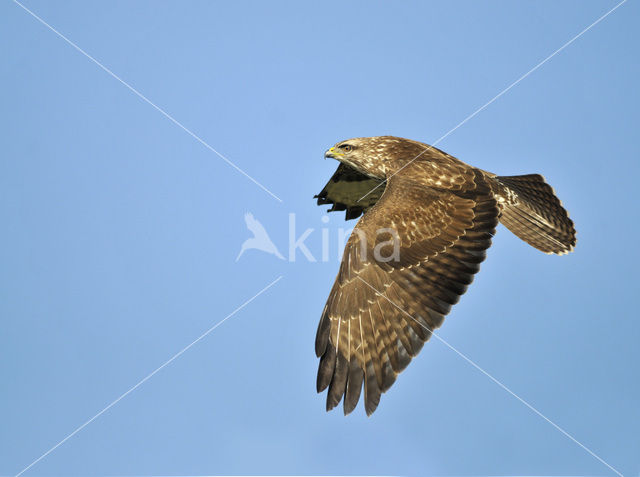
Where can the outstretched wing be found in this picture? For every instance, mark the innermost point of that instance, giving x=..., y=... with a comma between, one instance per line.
x=380, y=313
x=345, y=189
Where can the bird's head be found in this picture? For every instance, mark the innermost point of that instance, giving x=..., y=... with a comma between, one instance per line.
x=378, y=156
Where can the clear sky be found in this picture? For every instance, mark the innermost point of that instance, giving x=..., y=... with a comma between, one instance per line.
x=120, y=232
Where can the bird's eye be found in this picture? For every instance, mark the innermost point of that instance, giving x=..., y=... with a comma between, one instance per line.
x=346, y=148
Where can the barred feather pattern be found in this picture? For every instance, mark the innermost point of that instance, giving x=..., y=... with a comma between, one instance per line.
x=533, y=212
x=380, y=314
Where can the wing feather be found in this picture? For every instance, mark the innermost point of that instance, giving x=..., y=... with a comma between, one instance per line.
x=382, y=312
x=346, y=190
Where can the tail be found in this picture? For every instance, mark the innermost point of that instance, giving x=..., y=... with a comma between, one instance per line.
x=532, y=211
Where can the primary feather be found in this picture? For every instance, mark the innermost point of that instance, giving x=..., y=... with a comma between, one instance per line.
x=441, y=214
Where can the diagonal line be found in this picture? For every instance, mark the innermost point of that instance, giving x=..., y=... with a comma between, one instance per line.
x=495, y=380
x=499, y=94
x=148, y=376
x=148, y=101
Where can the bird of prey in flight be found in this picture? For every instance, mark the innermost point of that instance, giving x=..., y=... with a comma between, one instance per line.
x=427, y=221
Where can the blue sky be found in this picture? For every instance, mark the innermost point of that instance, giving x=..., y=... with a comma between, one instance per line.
x=120, y=233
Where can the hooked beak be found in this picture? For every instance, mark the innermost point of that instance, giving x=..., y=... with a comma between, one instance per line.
x=332, y=153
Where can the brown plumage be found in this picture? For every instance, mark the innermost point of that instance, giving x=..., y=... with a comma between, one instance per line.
x=428, y=221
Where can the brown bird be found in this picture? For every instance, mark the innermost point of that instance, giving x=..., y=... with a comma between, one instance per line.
x=428, y=220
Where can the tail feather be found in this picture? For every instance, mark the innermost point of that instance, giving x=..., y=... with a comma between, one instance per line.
x=531, y=210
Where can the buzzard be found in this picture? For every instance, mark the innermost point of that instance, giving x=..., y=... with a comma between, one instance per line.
x=427, y=221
